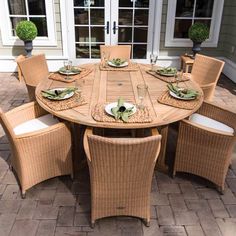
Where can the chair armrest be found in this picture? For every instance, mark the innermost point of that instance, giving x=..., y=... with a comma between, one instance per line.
x=218, y=113
x=43, y=137
x=24, y=113
x=190, y=134
x=207, y=144
x=206, y=129
x=45, y=131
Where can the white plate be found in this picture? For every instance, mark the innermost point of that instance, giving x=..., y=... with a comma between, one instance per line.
x=122, y=65
x=68, y=73
x=69, y=95
x=176, y=96
x=114, y=104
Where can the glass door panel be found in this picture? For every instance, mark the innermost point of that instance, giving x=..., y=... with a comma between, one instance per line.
x=99, y=22
x=89, y=24
x=130, y=25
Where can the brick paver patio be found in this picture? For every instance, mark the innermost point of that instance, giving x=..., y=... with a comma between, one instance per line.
x=179, y=207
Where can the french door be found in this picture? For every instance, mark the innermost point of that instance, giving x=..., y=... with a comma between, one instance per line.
x=96, y=22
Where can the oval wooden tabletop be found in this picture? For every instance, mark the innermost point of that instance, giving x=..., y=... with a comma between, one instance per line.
x=108, y=86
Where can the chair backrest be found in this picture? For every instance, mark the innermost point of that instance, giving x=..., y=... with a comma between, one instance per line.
x=206, y=69
x=33, y=69
x=117, y=51
x=123, y=160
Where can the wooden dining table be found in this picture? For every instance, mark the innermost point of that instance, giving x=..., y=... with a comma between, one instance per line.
x=107, y=86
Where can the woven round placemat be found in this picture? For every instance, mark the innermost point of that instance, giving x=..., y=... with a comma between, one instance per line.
x=130, y=67
x=140, y=116
x=166, y=99
x=166, y=78
x=60, y=77
x=74, y=101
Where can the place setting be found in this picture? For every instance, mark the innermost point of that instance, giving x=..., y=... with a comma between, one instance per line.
x=167, y=74
x=180, y=96
x=62, y=98
x=69, y=73
x=116, y=64
x=122, y=111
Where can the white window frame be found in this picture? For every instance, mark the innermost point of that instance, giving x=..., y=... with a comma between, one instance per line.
x=6, y=29
x=170, y=41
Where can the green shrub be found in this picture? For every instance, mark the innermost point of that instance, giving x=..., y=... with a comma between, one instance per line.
x=198, y=32
x=26, y=30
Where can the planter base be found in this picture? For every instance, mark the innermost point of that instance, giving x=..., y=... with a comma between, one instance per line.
x=28, y=48
x=196, y=48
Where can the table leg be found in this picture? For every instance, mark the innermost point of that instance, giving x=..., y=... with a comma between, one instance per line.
x=79, y=158
x=182, y=64
x=161, y=165
x=187, y=68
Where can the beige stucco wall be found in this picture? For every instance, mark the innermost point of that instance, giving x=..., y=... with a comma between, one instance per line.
x=49, y=51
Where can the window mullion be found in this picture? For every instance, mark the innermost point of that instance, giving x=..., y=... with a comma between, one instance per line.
x=194, y=10
x=27, y=9
x=90, y=43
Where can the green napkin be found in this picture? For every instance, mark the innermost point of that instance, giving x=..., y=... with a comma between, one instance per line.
x=56, y=94
x=121, y=112
x=73, y=70
x=167, y=71
x=117, y=61
x=183, y=92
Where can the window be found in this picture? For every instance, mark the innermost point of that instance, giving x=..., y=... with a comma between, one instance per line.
x=38, y=11
x=182, y=14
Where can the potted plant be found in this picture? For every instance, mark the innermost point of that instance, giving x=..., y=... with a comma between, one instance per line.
x=198, y=33
x=27, y=31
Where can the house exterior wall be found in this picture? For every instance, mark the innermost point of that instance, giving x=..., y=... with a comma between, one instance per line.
x=227, y=37
x=226, y=48
x=228, y=32
x=49, y=51
x=177, y=51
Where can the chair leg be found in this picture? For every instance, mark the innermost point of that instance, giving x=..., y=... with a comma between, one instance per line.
x=10, y=167
x=146, y=222
x=221, y=190
x=173, y=174
x=92, y=224
x=23, y=194
x=72, y=176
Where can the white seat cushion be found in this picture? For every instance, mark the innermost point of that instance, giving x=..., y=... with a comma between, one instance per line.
x=210, y=123
x=39, y=123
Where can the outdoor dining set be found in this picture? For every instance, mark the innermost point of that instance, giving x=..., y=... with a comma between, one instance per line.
x=118, y=112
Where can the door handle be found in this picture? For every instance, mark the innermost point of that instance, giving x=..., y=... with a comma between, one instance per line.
x=107, y=27
x=114, y=27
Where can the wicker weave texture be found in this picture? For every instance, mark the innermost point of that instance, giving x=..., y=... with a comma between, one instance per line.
x=202, y=151
x=34, y=69
x=117, y=51
x=39, y=155
x=121, y=173
x=206, y=72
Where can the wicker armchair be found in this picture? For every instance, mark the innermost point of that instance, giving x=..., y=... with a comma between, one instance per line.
x=118, y=51
x=33, y=69
x=205, y=150
x=206, y=72
x=40, y=144
x=121, y=171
